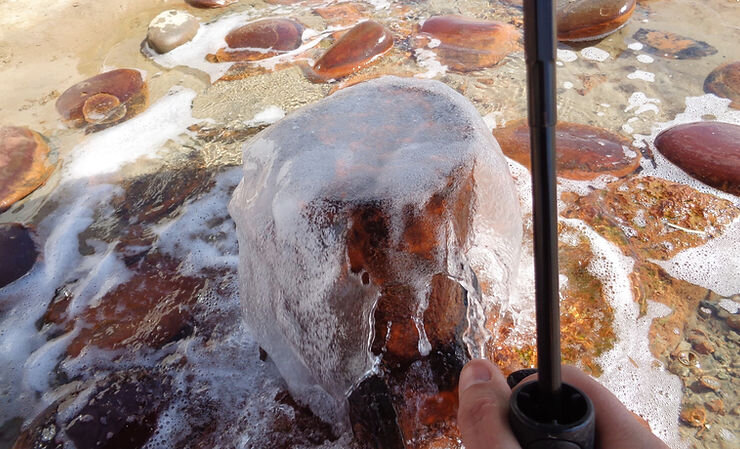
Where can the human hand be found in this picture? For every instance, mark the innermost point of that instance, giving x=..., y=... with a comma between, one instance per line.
x=483, y=414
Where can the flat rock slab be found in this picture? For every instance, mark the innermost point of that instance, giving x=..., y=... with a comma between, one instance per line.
x=24, y=164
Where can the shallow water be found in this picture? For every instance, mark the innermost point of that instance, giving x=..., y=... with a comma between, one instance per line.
x=149, y=196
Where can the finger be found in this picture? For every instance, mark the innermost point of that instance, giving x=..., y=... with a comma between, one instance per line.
x=483, y=414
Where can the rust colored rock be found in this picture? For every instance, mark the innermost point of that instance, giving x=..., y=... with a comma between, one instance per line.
x=695, y=416
x=470, y=44
x=148, y=311
x=342, y=14
x=210, y=3
x=724, y=81
x=357, y=48
x=708, y=151
x=24, y=164
x=671, y=45
x=701, y=344
x=584, y=20
x=261, y=39
x=18, y=251
x=583, y=151
x=89, y=102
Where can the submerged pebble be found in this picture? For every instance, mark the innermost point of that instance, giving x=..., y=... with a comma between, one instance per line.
x=583, y=151
x=469, y=44
x=672, y=45
x=170, y=29
x=708, y=151
x=724, y=81
x=583, y=20
x=18, y=251
x=24, y=164
x=261, y=39
x=357, y=48
x=104, y=99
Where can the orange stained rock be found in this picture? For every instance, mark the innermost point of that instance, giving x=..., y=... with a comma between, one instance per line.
x=261, y=39
x=24, y=164
x=582, y=20
x=672, y=45
x=470, y=44
x=724, y=81
x=360, y=46
x=583, y=151
x=94, y=97
x=210, y=3
x=342, y=14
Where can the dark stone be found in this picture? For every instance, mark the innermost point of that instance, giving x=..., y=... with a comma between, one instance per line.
x=673, y=46
x=18, y=251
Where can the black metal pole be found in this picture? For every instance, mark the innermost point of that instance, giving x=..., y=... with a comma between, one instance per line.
x=539, y=41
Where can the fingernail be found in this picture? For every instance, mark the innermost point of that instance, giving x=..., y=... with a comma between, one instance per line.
x=475, y=372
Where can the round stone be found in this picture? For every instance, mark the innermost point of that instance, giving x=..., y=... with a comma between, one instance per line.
x=724, y=81
x=583, y=20
x=126, y=85
x=24, y=164
x=261, y=39
x=469, y=44
x=170, y=29
x=708, y=151
x=360, y=46
x=582, y=152
x=18, y=250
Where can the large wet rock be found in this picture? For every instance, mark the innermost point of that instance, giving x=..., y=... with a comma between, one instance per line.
x=583, y=20
x=261, y=39
x=18, y=251
x=170, y=29
x=466, y=44
x=583, y=151
x=724, y=81
x=24, y=164
x=365, y=235
x=708, y=151
x=360, y=46
x=104, y=100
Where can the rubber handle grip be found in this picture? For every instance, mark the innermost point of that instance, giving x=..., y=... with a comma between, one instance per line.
x=573, y=428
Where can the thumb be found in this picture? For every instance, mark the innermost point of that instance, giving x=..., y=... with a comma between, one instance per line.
x=483, y=414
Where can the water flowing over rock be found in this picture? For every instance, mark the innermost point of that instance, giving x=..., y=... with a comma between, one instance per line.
x=18, y=251
x=210, y=3
x=724, y=81
x=261, y=39
x=356, y=251
x=672, y=45
x=470, y=44
x=24, y=164
x=360, y=46
x=708, y=151
x=104, y=100
x=583, y=20
x=583, y=152
x=170, y=29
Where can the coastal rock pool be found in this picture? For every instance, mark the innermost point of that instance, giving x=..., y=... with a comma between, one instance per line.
x=122, y=130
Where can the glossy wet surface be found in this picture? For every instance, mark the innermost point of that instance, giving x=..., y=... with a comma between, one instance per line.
x=126, y=291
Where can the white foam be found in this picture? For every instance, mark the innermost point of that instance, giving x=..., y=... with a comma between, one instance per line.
x=171, y=18
x=594, y=54
x=268, y=116
x=567, y=85
x=566, y=55
x=645, y=59
x=107, y=151
x=641, y=103
x=636, y=46
x=642, y=75
x=428, y=60
x=729, y=305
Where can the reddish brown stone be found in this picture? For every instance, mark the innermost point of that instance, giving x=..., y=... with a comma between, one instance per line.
x=261, y=39
x=342, y=14
x=24, y=164
x=18, y=252
x=470, y=44
x=671, y=45
x=724, y=81
x=708, y=151
x=151, y=309
x=701, y=344
x=94, y=96
x=583, y=152
x=210, y=3
x=583, y=20
x=360, y=46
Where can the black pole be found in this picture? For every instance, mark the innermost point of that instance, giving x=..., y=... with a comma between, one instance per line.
x=539, y=44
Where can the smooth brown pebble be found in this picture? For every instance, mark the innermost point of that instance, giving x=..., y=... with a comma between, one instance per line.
x=583, y=20
x=24, y=164
x=734, y=322
x=470, y=44
x=170, y=29
x=708, y=151
x=724, y=81
x=360, y=46
x=583, y=152
x=261, y=39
